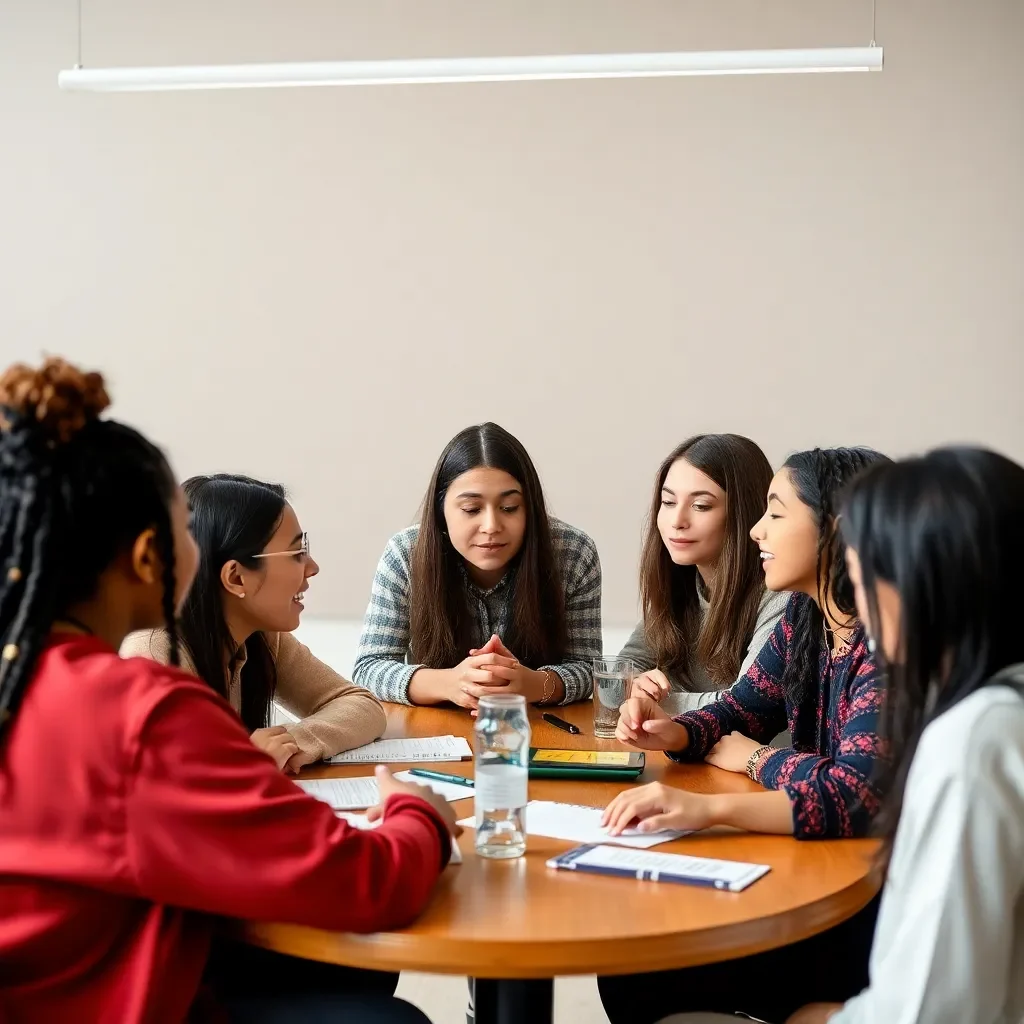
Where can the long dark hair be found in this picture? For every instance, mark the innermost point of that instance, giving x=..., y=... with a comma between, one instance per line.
x=945, y=530
x=440, y=623
x=75, y=493
x=819, y=477
x=668, y=592
x=233, y=518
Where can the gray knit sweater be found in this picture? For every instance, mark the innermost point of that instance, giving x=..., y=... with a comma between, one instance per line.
x=694, y=689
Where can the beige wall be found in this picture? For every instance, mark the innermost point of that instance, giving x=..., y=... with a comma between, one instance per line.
x=321, y=286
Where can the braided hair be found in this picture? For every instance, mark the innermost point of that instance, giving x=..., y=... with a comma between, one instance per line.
x=75, y=492
x=820, y=477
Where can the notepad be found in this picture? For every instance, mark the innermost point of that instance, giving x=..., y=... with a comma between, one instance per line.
x=354, y=794
x=407, y=751
x=731, y=875
x=578, y=824
x=361, y=821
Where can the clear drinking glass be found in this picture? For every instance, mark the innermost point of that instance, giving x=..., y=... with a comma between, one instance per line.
x=613, y=678
x=502, y=735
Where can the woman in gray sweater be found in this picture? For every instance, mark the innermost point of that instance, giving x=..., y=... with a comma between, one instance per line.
x=706, y=613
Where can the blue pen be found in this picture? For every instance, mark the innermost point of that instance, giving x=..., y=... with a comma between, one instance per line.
x=425, y=773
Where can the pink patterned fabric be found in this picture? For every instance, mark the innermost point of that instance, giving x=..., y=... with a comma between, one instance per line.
x=828, y=772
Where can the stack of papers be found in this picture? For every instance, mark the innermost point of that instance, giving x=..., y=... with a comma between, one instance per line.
x=425, y=748
x=577, y=824
x=355, y=794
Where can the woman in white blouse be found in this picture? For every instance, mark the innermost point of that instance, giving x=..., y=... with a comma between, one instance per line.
x=937, y=559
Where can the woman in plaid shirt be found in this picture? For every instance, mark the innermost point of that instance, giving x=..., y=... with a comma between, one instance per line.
x=487, y=592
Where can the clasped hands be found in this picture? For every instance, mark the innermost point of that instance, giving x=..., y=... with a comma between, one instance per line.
x=490, y=669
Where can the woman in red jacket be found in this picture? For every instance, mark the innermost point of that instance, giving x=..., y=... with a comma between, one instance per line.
x=134, y=806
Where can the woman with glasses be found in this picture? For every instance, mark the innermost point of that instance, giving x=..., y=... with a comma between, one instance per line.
x=236, y=625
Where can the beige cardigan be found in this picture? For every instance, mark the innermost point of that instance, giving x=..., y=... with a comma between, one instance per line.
x=335, y=714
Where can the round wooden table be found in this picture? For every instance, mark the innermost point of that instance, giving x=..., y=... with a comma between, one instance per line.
x=516, y=920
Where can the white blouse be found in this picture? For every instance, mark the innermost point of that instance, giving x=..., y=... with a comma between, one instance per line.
x=949, y=946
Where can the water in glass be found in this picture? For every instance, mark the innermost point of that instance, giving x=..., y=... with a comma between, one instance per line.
x=612, y=680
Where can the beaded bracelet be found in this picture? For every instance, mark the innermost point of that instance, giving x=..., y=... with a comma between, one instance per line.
x=753, y=760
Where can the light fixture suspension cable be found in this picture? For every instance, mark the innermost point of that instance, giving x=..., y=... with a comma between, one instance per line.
x=873, y=12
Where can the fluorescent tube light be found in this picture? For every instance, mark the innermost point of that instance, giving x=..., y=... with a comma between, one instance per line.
x=471, y=69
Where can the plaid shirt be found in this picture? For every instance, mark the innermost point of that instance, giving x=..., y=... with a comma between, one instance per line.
x=383, y=666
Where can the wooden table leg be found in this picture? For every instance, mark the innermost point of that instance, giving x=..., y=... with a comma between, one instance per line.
x=519, y=1001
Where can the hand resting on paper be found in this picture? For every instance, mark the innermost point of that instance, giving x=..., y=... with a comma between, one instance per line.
x=389, y=786
x=658, y=807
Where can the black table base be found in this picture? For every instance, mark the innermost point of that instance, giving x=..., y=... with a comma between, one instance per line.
x=513, y=1001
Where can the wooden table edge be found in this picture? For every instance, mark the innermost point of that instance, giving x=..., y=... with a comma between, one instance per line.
x=398, y=951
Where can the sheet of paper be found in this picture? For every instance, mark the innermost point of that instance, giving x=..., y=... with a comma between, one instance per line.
x=408, y=751
x=362, y=822
x=577, y=824
x=343, y=794
x=362, y=791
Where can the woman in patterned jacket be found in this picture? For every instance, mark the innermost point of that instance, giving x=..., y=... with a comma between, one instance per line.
x=815, y=676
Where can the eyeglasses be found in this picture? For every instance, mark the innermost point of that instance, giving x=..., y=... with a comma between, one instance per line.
x=301, y=553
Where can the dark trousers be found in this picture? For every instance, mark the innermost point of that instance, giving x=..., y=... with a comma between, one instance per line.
x=827, y=968
x=256, y=986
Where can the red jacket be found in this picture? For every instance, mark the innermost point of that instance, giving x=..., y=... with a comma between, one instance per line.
x=133, y=806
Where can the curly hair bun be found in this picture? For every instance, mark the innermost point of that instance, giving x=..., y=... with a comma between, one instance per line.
x=57, y=399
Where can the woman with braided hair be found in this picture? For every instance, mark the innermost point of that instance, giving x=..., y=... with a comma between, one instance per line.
x=133, y=806
x=814, y=676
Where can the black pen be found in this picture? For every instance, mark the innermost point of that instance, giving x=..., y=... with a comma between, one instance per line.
x=558, y=723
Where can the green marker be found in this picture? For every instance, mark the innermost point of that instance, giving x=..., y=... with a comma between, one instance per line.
x=425, y=773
